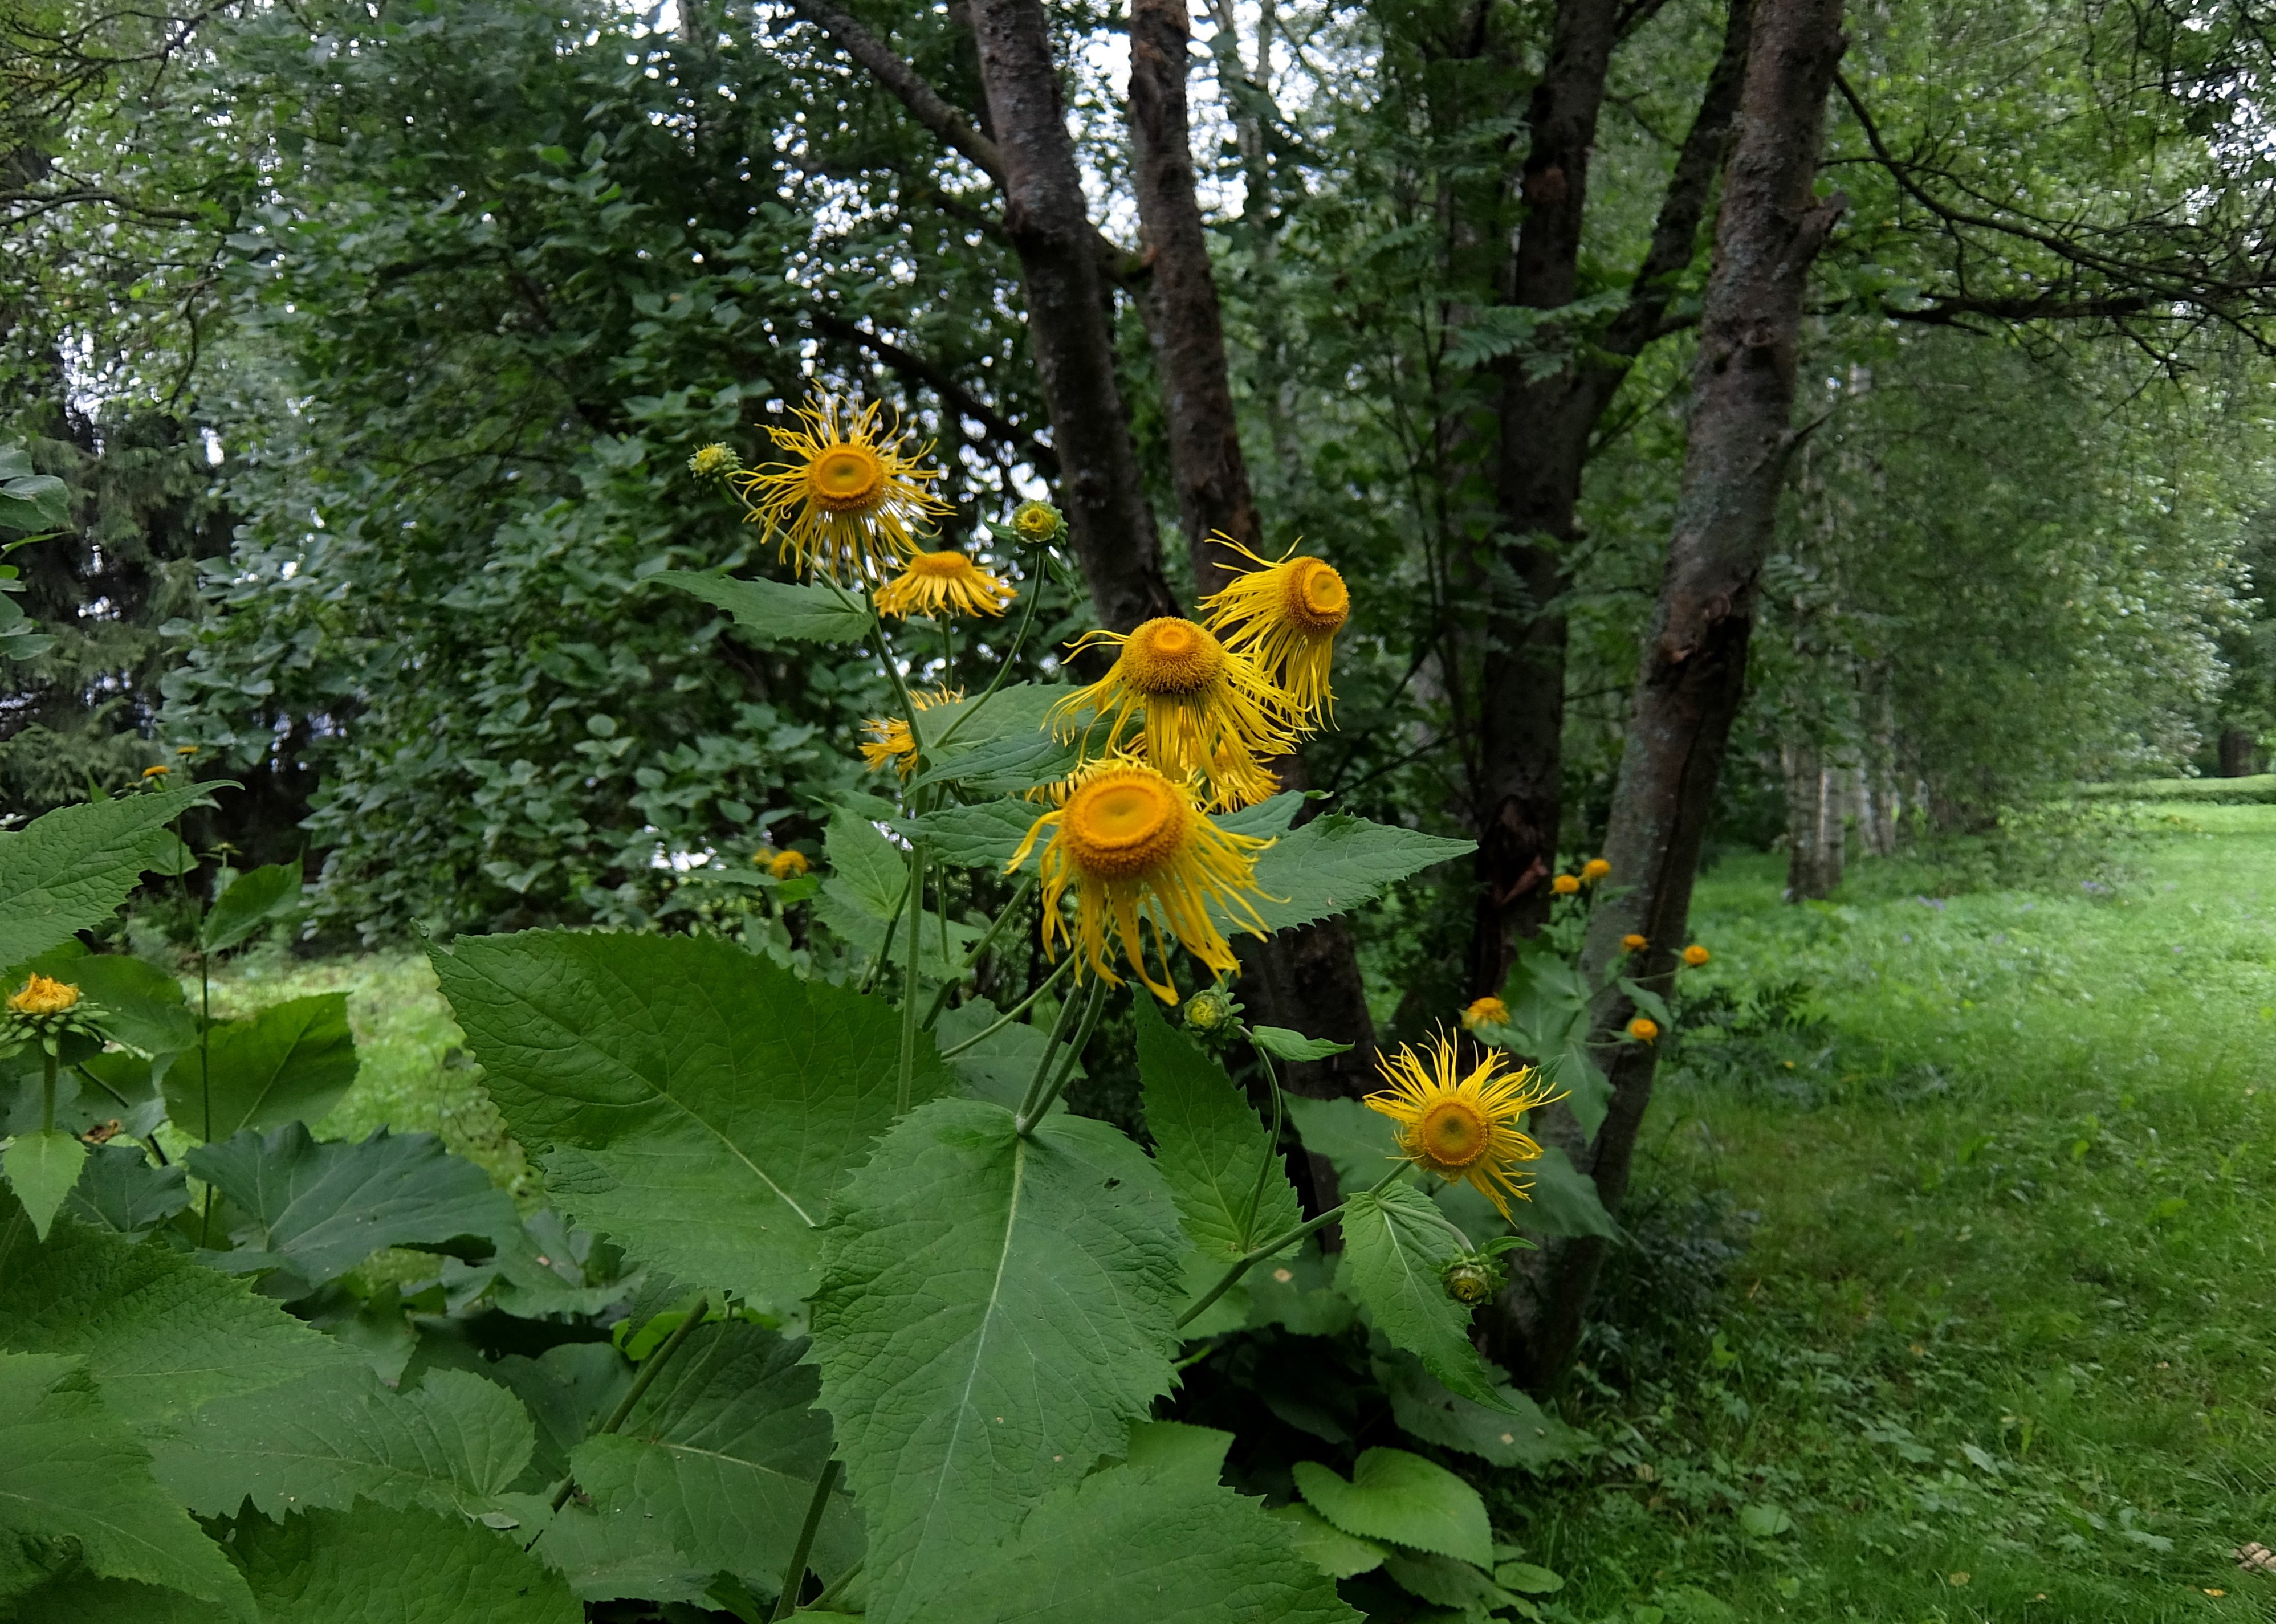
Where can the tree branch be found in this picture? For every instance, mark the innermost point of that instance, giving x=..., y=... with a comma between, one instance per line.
x=927, y=105
x=953, y=394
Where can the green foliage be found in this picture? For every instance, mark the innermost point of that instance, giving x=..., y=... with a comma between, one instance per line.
x=70, y=870
x=341, y=1567
x=966, y=1258
x=1210, y=1146
x=1396, y=1247
x=120, y=1190
x=291, y=1063
x=1334, y=864
x=41, y=1167
x=251, y=900
x=1402, y=1500
x=774, y=611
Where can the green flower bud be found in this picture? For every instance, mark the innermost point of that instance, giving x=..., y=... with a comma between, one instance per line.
x=1471, y=1278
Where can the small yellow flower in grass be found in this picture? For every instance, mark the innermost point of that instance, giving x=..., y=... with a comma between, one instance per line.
x=1594, y=869
x=931, y=582
x=156, y=771
x=1695, y=955
x=714, y=460
x=1462, y=1126
x=1133, y=846
x=1487, y=1011
x=787, y=864
x=848, y=497
x=1565, y=885
x=1285, y=614
x=43, y=995
x=1204, y=709
x=1038, y=521
x=1644, y=1029
x=1632, y=943
x=890, y=740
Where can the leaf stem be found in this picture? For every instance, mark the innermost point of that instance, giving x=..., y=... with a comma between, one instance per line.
x=1050, y=1047
x=1011, y=1015
x=836, y=1588
x=48, y=1092
x=795, y=1575
x=914, y=984
x=1271, y=1144
x=1011, y=655
x=885, y=948
x=641, y=1382
x=1025, y=1123
x=1258, y=1254
x=995, y=929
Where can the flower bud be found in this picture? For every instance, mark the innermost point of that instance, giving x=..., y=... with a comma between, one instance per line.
x=1039, y=521
x=1471, y=1278
x=1211, y=1010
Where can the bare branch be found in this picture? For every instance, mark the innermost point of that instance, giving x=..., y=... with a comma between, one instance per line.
x=927, y=105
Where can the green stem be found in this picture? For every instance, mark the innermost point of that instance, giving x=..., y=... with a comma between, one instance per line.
x=912, y=986
x=995, y=929
x=795, y=1575
x=1050, y=1048
x=1013, y=1014
x=885, y=948
x=837, y=1588
x=1011, y=655
x=1258, y=1254
x=641, y=1382
x=48, y=1094
x=1025, y=1123
x=1271, y=1144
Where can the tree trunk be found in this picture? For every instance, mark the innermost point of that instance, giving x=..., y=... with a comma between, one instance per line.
x=1816, y=820
x=2240, y=754
x=1693, y=668
x=1546, y=424
x=1048, y=222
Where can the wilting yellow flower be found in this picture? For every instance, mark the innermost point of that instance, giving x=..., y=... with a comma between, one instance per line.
x=787, y=863
x=1487, y=1011
x=714, y=459
x=1038, y=521
x=1462, y=1126
x=848, y=497
x=931, y=582
x=1594, y=869
x=1286, y=616
x=890, y=740
x=1565, y=885
x=1695, y=955
x=1644, y=1029
x=1634, y=943
x=156, y=771
x=1205, y=710
x=43, y=995
x=1136, y=850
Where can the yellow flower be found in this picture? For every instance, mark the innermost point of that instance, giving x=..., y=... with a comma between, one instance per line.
x=1644, y=1029
x=1133, y=847
x=1205, y=710
x=1286, y=616
x=890, y=740
x=1485, y=1012
x=787, y=864
x=156, y=771
x=714, y=459
x=1565, y=885
x=43, y=995
x=185, y=750
x=1463, y=1128
x=1632, y=943
x=848, y=497
x=1695, y=955
x=931, y=582
x=1594, y=869
x=1038, y=521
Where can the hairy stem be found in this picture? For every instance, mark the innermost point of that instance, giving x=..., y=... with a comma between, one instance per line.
x=1030, y=1115
x=795, y=1574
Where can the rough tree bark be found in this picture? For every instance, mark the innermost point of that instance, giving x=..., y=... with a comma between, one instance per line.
x=1546, y=423
x=1694, y=658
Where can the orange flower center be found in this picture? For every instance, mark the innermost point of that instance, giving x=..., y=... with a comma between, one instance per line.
x=1318, y=601
x=1452, y=1134
x=846, y=477
x=941, y=566
x=1122, y=825
x=1172, y=656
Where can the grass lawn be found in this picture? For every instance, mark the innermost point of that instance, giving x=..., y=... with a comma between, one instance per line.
x=1994, y=1335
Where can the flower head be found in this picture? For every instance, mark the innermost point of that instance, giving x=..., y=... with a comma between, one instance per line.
x=1488, y=1011
x=1644, y=1029
x=890, y=738
x=787, y=863
x=1634, y=943
x=159, y=771
x=1285, y=614
x=1038, y=521
x=714, y=460
x=1594, y=869
x=930, y=583
x=1132, y=844
x=1565, y=885
x=1202, y=708
x=1695, y=955
x=43, y=995
x=1462, y=1126
x=848, y=497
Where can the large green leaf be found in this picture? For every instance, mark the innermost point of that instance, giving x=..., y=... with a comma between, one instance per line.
x=376, y=1565
x=161, y=1333
x=78, y=1598
x=719, y=1459
x=994, y=1313
x=772, y=611
x=120, y=1189
x=1396, y=1243
x=1142, y=1545
x=1517, y=1433
x=30, y=501
x=41, y=1168
x=1209, y=1145
x=702, y=1105
x=984, y=834
x=71, y=868
x=257, y=897
x=1000, y=1065
x=1402, y=1498
x=998, y=746
x=454, y=1444
x=1334, y=864
x=1563, y=1200
x=319, y=1209
x=71, y=1471
x=874, y=871
x=291, y=1063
